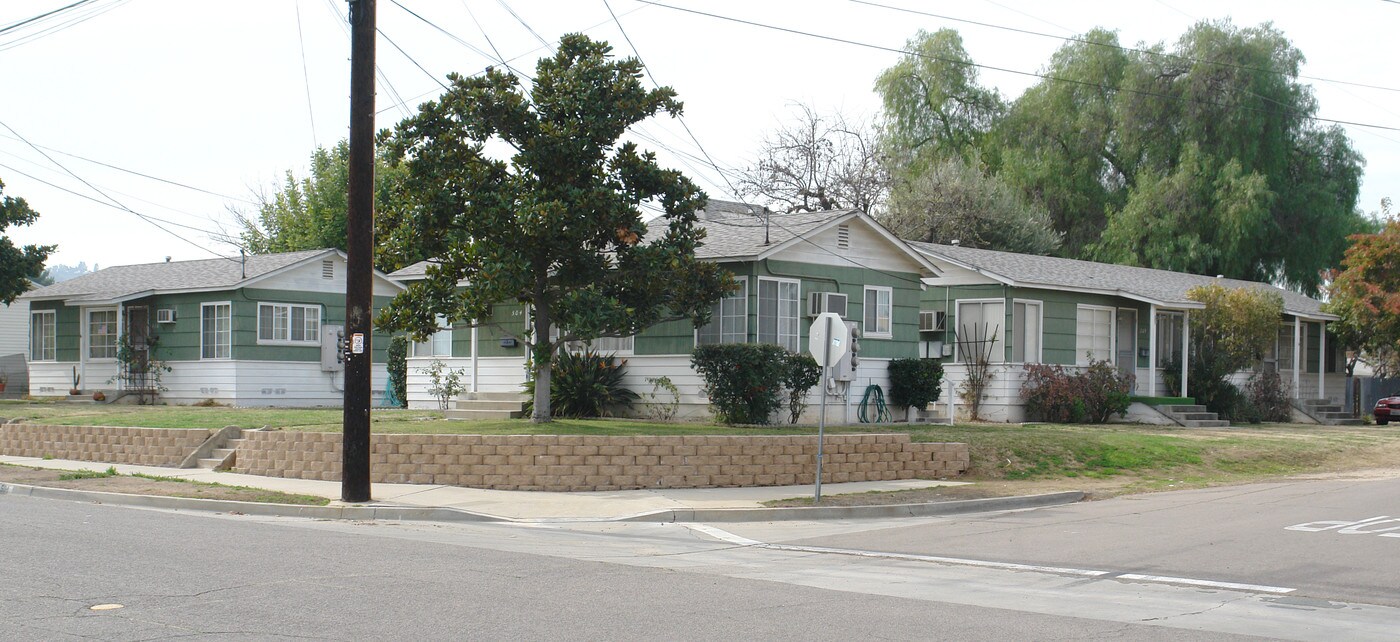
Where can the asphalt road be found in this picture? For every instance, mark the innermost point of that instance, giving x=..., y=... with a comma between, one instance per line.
x=1298, y=534
x=197, y=576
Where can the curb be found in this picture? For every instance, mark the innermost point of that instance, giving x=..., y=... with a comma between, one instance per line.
x=805, y=513
x=442, y=514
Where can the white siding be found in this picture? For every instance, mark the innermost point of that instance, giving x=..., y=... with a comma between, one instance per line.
x=308, y=278
x=498, y=374
x=50, y=378
x=868, y=248
x=14, y=328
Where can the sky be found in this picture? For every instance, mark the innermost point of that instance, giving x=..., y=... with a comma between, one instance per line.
x=182, y=111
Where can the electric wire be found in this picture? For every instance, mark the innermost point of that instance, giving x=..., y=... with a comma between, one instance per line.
x=488, y=38
x=527, y=26
x=306, y=76
x=79, y=18
x=15, y=25
x=1042, y=76
x=395, y=45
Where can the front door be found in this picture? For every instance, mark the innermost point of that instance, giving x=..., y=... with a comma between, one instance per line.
x=136, y=365
x=1127, y=341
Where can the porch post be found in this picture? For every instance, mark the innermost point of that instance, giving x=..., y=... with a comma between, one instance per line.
x=1297, y=348
x=1321, y=359
x=1185, y=350
x=1151, y=350
x=121, y=332
x=84, y=336
x=475, y=389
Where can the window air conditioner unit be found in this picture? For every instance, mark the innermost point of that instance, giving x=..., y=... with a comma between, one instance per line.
x=166, y=315
x=931, y=321
x=819, y=302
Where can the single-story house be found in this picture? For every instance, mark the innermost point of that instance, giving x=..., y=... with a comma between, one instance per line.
x=1040, y=309
x=260, y=330
x=789, y=267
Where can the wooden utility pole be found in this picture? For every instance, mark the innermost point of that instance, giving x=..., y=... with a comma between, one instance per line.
x=359, y=287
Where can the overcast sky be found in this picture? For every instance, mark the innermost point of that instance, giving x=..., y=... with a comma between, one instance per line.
x=226, y=96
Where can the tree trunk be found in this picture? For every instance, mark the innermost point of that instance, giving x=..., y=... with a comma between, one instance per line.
x=543, y=354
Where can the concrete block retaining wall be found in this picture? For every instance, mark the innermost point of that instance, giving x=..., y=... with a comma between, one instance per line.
x=579, y=462
x=140, y=446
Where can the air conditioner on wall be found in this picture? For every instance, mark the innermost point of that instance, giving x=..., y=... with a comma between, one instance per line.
x=931, y=321
x=819, y=302
x=165, y=315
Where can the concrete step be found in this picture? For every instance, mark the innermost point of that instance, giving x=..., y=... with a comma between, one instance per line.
x=212, y=463
x=486, y=404
x=1206, y=423
x=1196, y=416
x=1171, y=409
x=492, y=396
x=1349, y=421
x=483, y=414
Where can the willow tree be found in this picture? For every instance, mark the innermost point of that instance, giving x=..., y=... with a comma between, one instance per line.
x=557, y=224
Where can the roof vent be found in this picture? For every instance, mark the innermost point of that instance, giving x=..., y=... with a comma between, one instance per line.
x=328, y=269
x=843, y=236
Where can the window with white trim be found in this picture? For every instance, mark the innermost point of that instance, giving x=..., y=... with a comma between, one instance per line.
x=779, y=312
x=1093, y=335
x=102, y=334
x=289, y=323
x=981, y=330
x=1026, y=323
x=879, y=312
x=215, y=331
x=43, y=335
x=729, y=318
x=437, y=345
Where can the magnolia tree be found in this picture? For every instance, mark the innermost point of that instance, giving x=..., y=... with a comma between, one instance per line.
x=18, y=264
x=557, y=224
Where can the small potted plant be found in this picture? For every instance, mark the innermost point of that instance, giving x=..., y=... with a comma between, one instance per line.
x=99, y=396
x=75, y=390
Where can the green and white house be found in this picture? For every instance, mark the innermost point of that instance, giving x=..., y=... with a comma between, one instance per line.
x=1038, y=309
x=789, y=267
x=256, y=331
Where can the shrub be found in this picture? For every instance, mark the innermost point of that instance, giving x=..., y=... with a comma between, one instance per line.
x=585, y=384
x=397, y=365
x=443, y=382
x=1266, y=393
x=1090, y=396
x=744, y=381
x=802, y=374
x=656, y=408
x=915, y=382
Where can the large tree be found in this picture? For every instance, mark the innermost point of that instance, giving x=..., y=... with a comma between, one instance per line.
x=815, y=162
x=1204, y=157
x=557, y=225
x=18, y=265
x=308, y=212
x=1366, y=295
x=933, y=105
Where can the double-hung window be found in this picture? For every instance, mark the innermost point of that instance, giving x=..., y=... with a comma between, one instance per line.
x=215, y=331
x=42, y=335
x=778, y=312
x=102, y=334
x=729, y=318
x=1025, y=331
x=1093, y=334
x=289, y=323
x=981, y=326
x=437, y=345
x=879, y=310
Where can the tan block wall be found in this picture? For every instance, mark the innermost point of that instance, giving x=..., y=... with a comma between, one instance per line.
x=142, y=446
x=580, y=462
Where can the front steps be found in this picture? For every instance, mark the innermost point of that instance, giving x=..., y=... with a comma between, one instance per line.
x=1326, y=412
x=1193, y=416
x=488, y=405
x=218, y=452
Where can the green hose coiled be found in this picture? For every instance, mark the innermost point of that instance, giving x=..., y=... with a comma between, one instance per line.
x=882, y=412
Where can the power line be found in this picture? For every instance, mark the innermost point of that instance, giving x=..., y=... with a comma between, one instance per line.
x=487, y=37
x=104, y=194
x=410, y=58
x=522, y=22
x=449, y=34
x=15, y=25
x=306, y=76
x=79, y=18
x=990, y=67
x=1084, y=41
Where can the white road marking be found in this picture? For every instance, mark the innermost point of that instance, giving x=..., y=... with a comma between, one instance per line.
x=739, y=540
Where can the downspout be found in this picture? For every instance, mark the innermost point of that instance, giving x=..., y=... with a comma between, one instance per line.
x=1151, y=350
x=1185, y=350
x=475, y=370
x=1321, y=359
x=1297, y=347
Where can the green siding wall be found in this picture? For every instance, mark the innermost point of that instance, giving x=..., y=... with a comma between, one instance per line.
x=68, y=340
x=507, y=321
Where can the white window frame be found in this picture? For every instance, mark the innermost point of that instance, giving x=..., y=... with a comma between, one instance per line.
x=867, y=331
x=113, y=333
x=998, y=344
x=616, y=346
x=309, y=336
x=781, y=338
x=1081, y=357
x=740, y=296
x=1019, y=334
x=434, y=346
x=48, y=335
x=228, y=333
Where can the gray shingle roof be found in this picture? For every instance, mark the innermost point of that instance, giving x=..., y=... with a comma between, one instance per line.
x=123, y=281
x=1160, y=286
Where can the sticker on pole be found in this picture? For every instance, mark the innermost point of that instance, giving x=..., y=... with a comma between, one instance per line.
x=828, y=338
x=357, y=343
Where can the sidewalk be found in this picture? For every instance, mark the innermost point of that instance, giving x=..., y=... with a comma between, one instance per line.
x=713, y=504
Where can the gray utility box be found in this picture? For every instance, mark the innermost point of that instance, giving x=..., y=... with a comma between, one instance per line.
x=332, y=348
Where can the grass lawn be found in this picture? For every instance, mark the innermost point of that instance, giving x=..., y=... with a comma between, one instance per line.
x=1127, y=457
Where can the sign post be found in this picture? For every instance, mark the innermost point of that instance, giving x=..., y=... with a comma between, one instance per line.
x=828, y=340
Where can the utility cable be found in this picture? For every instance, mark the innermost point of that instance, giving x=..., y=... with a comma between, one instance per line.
x=306, y=76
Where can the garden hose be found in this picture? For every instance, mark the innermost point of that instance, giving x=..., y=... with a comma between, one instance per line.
x=882, y=412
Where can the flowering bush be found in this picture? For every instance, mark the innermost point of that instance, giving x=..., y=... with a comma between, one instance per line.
x=1054, y=394
x=744, y=381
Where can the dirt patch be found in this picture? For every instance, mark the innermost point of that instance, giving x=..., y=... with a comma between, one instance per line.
x=146, y=486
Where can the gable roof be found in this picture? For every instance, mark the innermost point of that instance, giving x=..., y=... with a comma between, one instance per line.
x=124, y=282
x=1160, y=287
